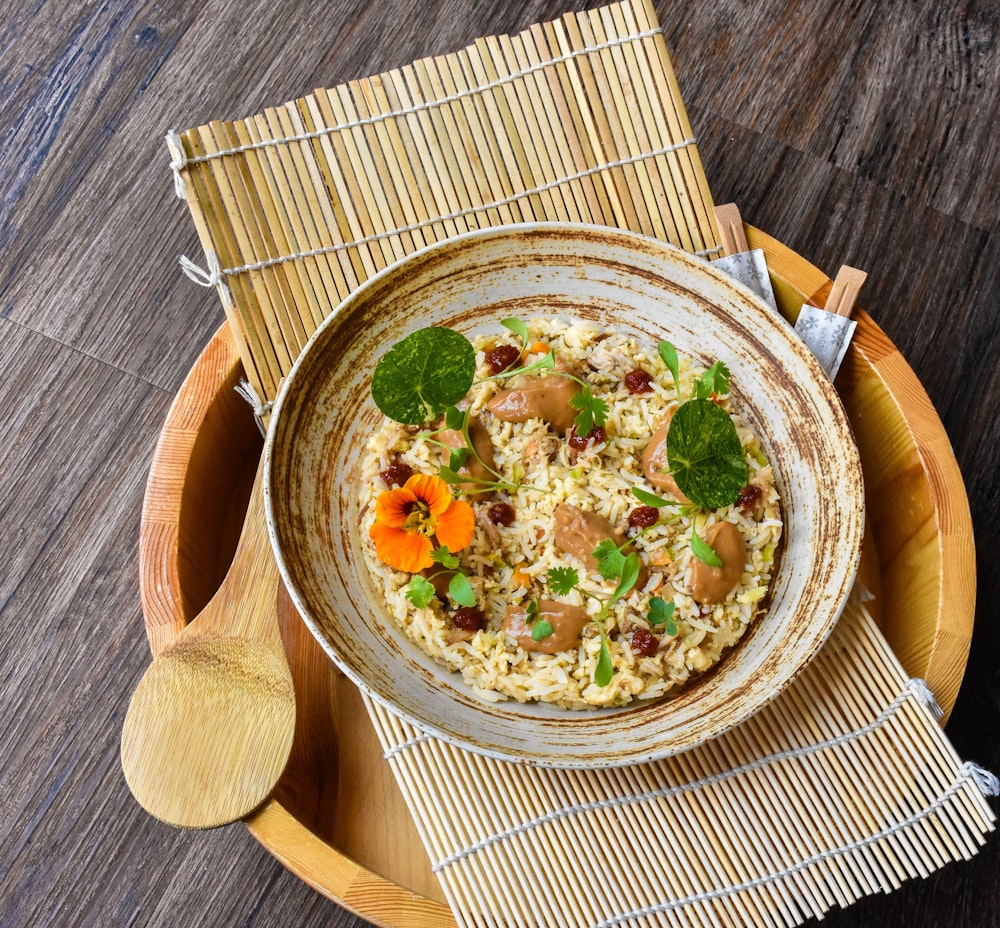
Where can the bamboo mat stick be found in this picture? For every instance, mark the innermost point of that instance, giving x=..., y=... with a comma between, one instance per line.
x=579, y=197
x=252, y=238
x=289, y=232
x=380, y=170
x=216, y=225
x=604, y=124
x=394, y=157
x=516, y=170
x=318, y=217
x=282, y=235
x=480, y=148
x=539, y=128
x=335, y=230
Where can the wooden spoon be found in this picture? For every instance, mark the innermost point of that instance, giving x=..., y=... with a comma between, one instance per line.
x=209, y=729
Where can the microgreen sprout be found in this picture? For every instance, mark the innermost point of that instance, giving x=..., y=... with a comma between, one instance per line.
x=702, y=550
x=668, y=354
x=662, y=613
x=650, y=499
x=540, y=628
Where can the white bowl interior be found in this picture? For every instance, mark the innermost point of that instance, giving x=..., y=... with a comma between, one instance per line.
x=325, y=414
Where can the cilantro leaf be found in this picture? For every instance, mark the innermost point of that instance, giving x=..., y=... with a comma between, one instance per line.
x=714, y=380
x=629, y=575
x=593, y=411
x=563, y=579
x=605, y=669
x=702, y=550
x=669, y=355
x=419, y=591
x=423, y=374
x=540, y=630
x=444, y=557
x=705, y=454
x=648, y=499
x=460, y=590
x=610, y=560
x=662, y=613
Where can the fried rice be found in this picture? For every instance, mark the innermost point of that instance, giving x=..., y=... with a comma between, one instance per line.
x=509, y=564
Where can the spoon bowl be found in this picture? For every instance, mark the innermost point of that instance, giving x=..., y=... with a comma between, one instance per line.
x=209, y=728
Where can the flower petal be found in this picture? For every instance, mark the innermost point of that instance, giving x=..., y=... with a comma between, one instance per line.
x=432, y=490
x=454, y=527
x=393, y=506
x=407, y=551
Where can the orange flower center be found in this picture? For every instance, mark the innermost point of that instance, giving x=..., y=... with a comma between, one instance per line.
x=419, y=519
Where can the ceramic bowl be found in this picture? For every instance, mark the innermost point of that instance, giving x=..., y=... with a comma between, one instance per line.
x=324, y=415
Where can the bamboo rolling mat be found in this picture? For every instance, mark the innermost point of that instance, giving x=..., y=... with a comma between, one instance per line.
x=578, y=120
x=845, y=785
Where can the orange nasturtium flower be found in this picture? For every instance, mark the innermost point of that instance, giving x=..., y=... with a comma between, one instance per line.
x=411, y=520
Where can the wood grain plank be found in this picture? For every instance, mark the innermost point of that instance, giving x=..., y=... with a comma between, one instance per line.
x=857, y=133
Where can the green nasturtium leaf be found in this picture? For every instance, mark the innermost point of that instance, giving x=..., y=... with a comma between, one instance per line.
x=420, y=376
x=705, y=454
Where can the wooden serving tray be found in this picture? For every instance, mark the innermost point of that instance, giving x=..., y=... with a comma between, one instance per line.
x=337, y=819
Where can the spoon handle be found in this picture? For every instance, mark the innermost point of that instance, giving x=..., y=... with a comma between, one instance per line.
x=243, y=606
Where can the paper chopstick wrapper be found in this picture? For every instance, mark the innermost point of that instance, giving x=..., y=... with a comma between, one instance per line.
x=828, y=331
x=748, y=266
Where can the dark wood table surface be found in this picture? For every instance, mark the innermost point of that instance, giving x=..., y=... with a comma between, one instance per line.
x=856, y=132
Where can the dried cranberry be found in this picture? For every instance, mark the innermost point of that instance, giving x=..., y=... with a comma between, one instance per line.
x=397, y=473
x=468, y=618
x=645, y=642
x=638, y=381
x=501, y=513
x=578, y=443
x=643, y=516
x=501, y=357
x=749, y=497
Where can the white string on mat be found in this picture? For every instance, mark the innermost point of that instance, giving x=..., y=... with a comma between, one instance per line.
x=180, y=159
x=215, y=275
x=968, y=773
x=915, y=688
x=244, y=389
